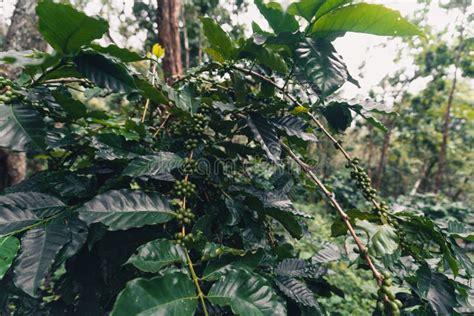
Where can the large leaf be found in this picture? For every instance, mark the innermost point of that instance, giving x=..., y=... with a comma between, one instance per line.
x=364, y=18
x=338, y=115
x=8, y=248
x=319, y=66
x=383, y=238
x=296, y=290
x=266, y=135
x=67, y=29
x=20, y=210
x=123, y=209
x=305, y=8
x=219, y=40
x=246, y=294
x=156, y=254
x=39, y=247
x=279, y=20
x=78, y=232
x=172, y=295
x=294, y=126
x=225, y=263
x=152, y=165
x=74, y=109
x=21, y=128
x=293, y=267
x=105, y=72
x=329, y=5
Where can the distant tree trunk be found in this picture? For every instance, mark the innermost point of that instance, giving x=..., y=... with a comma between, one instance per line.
x=425, y=171
x=185, y=40
x=168, y=36
x=21, y=35
x=447, y=115
x=383, y=154
x=370, y=151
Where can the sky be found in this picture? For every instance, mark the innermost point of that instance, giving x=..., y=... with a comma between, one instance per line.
x=376, y=52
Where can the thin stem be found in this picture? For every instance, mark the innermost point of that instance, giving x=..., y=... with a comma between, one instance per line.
x=345, y=218
x=196, y=283
x=147, y=103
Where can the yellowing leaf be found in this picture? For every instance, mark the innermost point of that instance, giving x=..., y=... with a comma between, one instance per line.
x=158, y=51
x=215, y=55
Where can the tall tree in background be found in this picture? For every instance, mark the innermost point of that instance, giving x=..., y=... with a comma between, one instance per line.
x=169, y=38
x=22, y=35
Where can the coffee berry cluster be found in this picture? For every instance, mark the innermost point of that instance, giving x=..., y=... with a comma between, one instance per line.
x=386, y=299
x=362, y=178
x=184, y=215
x=189, y=166
x=7, y=92
x=184, y=188
x=182, y=239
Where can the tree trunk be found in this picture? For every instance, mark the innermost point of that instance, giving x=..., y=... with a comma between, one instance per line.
x=21, y=35
x=168, y=36
x=185, y=40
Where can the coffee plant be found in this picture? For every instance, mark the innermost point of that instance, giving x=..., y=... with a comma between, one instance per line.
x=157, y=206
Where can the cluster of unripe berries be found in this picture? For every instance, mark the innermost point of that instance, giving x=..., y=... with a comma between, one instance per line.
x=363, y=180
x=8, y=94
x=184, y=215
x=195, y=127
x=386, y=294
x=181, y=238
x=205, y=108
x=189, y=166
x=184, y=188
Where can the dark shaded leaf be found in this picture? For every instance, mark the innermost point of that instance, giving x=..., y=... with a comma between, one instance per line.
x=266, y=135
x=19, y=210
x=220, y=41
x=21, y=128
x=123, y=209
x=338, y=116
x=296, y=290
x=320, y=66
x=330, y=252
x=105, y=72
x=123, y=54
x=294, y=126
x=39, y=247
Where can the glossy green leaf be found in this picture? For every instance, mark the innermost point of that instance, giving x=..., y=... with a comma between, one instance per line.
x=105, y=72
x=383, y=238
x=8, y=249
x=279, y=20
x=246, y=294
x=67, y=29
x=74, y=109
x=219, y=40
x=329, y=5
x=172, y=295
x=20, y=210
x=39, y=247
x=21, y=128
x=152, y=165
x=123, y=209
x=265, y=134
x=157, y=254
x=305, y=8
x=364, y=18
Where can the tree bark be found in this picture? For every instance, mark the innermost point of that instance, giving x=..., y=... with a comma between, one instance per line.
x=185, y=40
x=168, y=36
x=383, y=154
x=21, y=35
